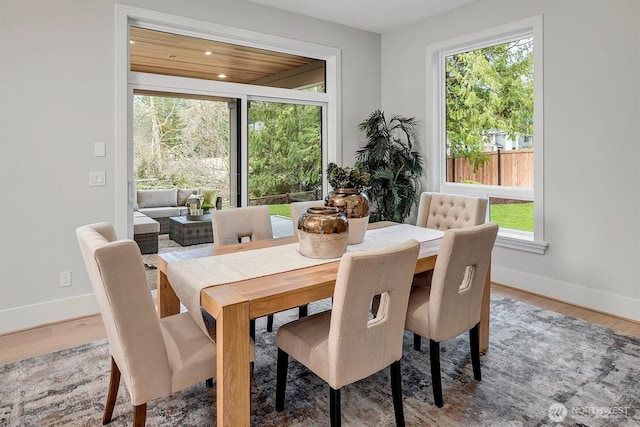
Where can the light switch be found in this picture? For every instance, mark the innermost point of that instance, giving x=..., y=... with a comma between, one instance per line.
x=97, y=179
x=100, y=149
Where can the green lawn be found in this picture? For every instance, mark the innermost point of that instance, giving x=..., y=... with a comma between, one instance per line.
x=518, y=216
x=282, y=210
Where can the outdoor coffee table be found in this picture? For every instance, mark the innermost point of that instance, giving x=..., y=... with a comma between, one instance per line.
x=188, y=232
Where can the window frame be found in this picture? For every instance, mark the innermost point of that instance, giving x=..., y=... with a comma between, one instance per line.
x=126, y=80
x=436, y=104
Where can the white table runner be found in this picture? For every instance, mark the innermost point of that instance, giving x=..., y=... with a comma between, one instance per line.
x=189, y=277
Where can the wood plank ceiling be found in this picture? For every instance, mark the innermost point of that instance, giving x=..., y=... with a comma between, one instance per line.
x=177, y=55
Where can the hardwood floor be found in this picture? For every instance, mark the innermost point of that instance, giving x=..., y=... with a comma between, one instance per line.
x=58, y=336
x=49, y=338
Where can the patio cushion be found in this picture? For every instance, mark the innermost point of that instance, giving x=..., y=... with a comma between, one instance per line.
x=164, y=212
x=157, y=198
x=142, y=224
x=184, y=193
x=210, y=196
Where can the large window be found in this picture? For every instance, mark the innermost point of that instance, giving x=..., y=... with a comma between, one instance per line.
x=173, y=56
x=181, y=142
x=487, y=115
x=285, y=152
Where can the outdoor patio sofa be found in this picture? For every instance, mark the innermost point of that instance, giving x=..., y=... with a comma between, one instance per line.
x=153, y=209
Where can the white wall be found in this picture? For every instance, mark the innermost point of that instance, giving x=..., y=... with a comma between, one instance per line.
x=57, y=80
x=591, y=141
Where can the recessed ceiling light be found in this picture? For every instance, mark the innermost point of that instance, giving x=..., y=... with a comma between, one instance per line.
x=222, y=76
x=208, y=53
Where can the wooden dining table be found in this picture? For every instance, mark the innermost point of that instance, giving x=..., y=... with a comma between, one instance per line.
x=233, y=305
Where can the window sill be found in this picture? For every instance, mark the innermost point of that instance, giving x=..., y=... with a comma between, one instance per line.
x=521, y=242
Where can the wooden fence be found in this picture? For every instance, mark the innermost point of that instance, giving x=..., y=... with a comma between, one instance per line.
x=286, y=198
x=511, y=168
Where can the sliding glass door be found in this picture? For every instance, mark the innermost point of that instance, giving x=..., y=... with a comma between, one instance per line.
x=285, y=155
x=183, y=141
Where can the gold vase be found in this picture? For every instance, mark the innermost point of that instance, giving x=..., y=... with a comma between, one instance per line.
x=355, y=205
x=323, y=233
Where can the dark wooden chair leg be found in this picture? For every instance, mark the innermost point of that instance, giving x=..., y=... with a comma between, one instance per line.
x=209, y=382
x=114, y=384
x=270, y=323
x=303, y=311
x=334, y=407
x=396, y=391
x=281, y=378
x=140, y=415
x=474, y=341
x=252, y=334
x=434, y=356
x=417, y=340
x=252, y=329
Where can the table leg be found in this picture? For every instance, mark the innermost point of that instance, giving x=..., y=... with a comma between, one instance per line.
x=233, y=382
x=168, y=301
x=485, y=313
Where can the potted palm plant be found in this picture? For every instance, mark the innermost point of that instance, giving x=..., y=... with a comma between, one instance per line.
x=394, y=166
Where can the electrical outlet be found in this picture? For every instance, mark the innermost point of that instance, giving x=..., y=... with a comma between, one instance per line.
x=65, y=279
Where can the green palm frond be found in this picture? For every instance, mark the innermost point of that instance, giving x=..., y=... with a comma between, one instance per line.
x=394, y=166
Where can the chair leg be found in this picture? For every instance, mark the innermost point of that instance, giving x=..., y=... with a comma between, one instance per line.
x=270, y=323
x=417, y=339
x=303, y=311
x=334, y=407
x=140, y=415
x=396, y=391
x=474, y=340
x=114, y=384
x=281, y=378
x=252, y=329
x=252, y=334
x=434, y=356
x=209, y=382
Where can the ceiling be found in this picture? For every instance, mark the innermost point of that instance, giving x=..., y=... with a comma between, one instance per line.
x=158, y=52
x=378, y=16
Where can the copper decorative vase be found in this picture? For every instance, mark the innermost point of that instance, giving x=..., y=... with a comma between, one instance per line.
x=355, y=206
x=323, y=233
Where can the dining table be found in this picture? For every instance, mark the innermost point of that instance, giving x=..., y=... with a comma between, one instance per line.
x=216, y=279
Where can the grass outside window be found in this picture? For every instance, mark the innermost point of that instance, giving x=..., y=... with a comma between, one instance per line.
x=516, y=216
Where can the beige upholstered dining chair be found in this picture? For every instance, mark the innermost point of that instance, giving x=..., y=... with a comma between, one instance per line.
x=233, y=225
x=155, y=357
x=446, y=211
x=452, y=305
x=344, y=345
x=298, y=208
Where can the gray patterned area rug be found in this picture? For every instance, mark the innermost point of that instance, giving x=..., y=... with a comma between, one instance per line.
x=542, y=369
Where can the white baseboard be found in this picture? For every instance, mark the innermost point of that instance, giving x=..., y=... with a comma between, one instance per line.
x=593, y=299
x=29, y=316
